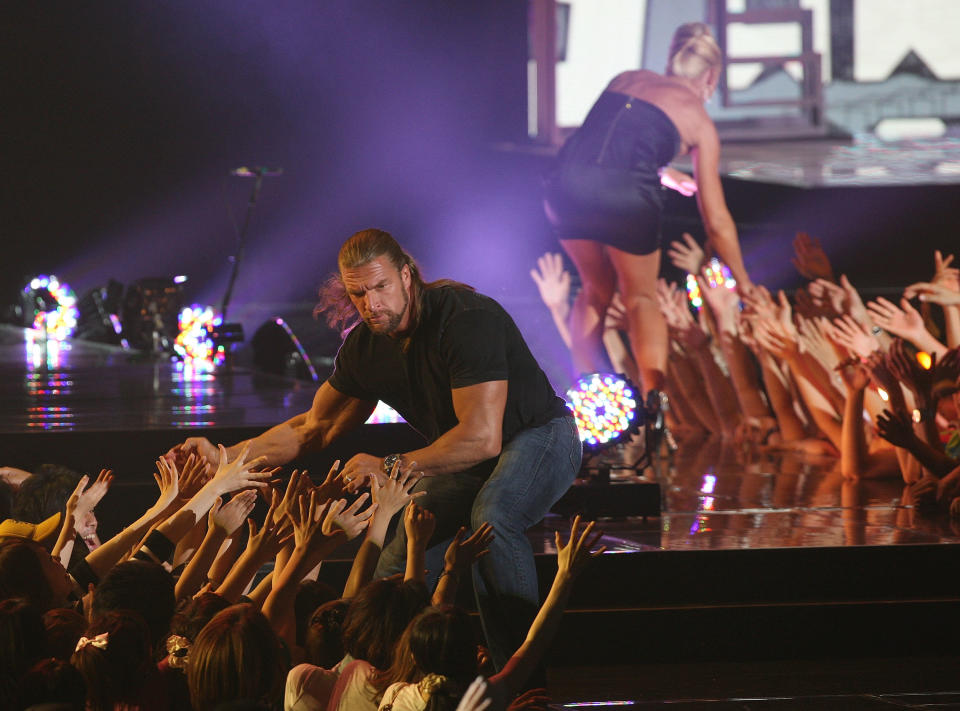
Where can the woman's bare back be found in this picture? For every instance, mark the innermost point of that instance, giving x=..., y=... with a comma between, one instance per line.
x=672, y=96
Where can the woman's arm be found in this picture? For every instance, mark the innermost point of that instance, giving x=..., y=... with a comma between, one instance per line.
x=720, y=228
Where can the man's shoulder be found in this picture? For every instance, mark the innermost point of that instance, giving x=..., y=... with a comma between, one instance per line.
x=448, y=301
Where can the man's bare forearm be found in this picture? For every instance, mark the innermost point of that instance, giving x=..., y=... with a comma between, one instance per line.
x=280, y=444
x=456, y=450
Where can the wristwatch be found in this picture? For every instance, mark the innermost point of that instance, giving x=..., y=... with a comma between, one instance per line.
x=389, y=461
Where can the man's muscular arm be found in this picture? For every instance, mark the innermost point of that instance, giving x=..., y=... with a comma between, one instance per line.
x=476, y=437
x=331, y=414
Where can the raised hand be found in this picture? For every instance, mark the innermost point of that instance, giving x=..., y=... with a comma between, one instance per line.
x=905, y=322
x=335, y=485
x=679, y=181
x=475, y=698
x=616, y=317
x=419, y=524
x=168, y=480
x=239, y=474
x=87, y=499
x=946, y=372
x=855, y=375
x=313, y=522
x=229, y=516
x=573, y=556
x=553, y=281
x=932, y=293
x=200, y=446
x=724, y=302
x=687, y=255
x=349, y=519
x=193, y=475
x=943, y=274
x=896, y=428
x=461, y=554
x=851, y=334
x=810, y=259
x=298, y=484
x=907, y=369
x=395, y=492
x=266, y=542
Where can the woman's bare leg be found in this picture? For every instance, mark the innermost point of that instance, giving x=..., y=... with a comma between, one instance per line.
x=598, y=282
x=637, y=277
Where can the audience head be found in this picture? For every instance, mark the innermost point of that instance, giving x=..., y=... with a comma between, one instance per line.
x=22, y=643
x=392, y=603
x=438, y=651
x=115, y=658
x=54, y=684
x=311, y=594
x=192, y=617
x=64, y=627
x=236, y=657
x=323, y=641
x=28, y=570
x=141, y=586
x=45, y=493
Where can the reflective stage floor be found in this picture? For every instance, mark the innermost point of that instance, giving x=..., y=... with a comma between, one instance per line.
x=767, y=582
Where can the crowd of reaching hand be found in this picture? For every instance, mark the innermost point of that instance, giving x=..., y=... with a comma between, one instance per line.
x=196, y=605
x=871, y=385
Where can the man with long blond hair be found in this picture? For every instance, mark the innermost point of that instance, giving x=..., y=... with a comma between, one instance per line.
x=502, y=447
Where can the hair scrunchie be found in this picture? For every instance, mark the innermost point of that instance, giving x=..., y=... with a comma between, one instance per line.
x=100, y=641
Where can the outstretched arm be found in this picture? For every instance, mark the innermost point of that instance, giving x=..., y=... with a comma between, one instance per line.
x=719, y=225
x=331, y=414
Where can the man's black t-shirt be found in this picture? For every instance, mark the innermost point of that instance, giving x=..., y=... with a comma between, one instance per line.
x=463, y=338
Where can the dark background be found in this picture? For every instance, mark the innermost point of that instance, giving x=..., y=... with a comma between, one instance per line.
x=121, y=122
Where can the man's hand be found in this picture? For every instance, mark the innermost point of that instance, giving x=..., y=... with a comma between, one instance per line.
x=199, y=446
x=360, y=469
x=679, y=181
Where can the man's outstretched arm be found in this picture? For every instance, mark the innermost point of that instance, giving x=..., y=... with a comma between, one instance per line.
x=331, y=414
x=477, y=436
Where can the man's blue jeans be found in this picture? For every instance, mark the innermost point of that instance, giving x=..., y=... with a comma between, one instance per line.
x=534, y=470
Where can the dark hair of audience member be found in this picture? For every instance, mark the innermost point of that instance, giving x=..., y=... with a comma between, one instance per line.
x=194, y=613
x=377, y=617
x=118, y=672
x=22, y=643
x=22, y=573
x=323, y=642
x=442, y=641
x=64, y=627
x=141, y=586
x=45, y=493
x=311, y=594
x=54, y=682
x=7, y=494
x=236, y=657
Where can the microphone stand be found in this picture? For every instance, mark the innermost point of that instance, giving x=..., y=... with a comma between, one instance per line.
x=258, y=174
